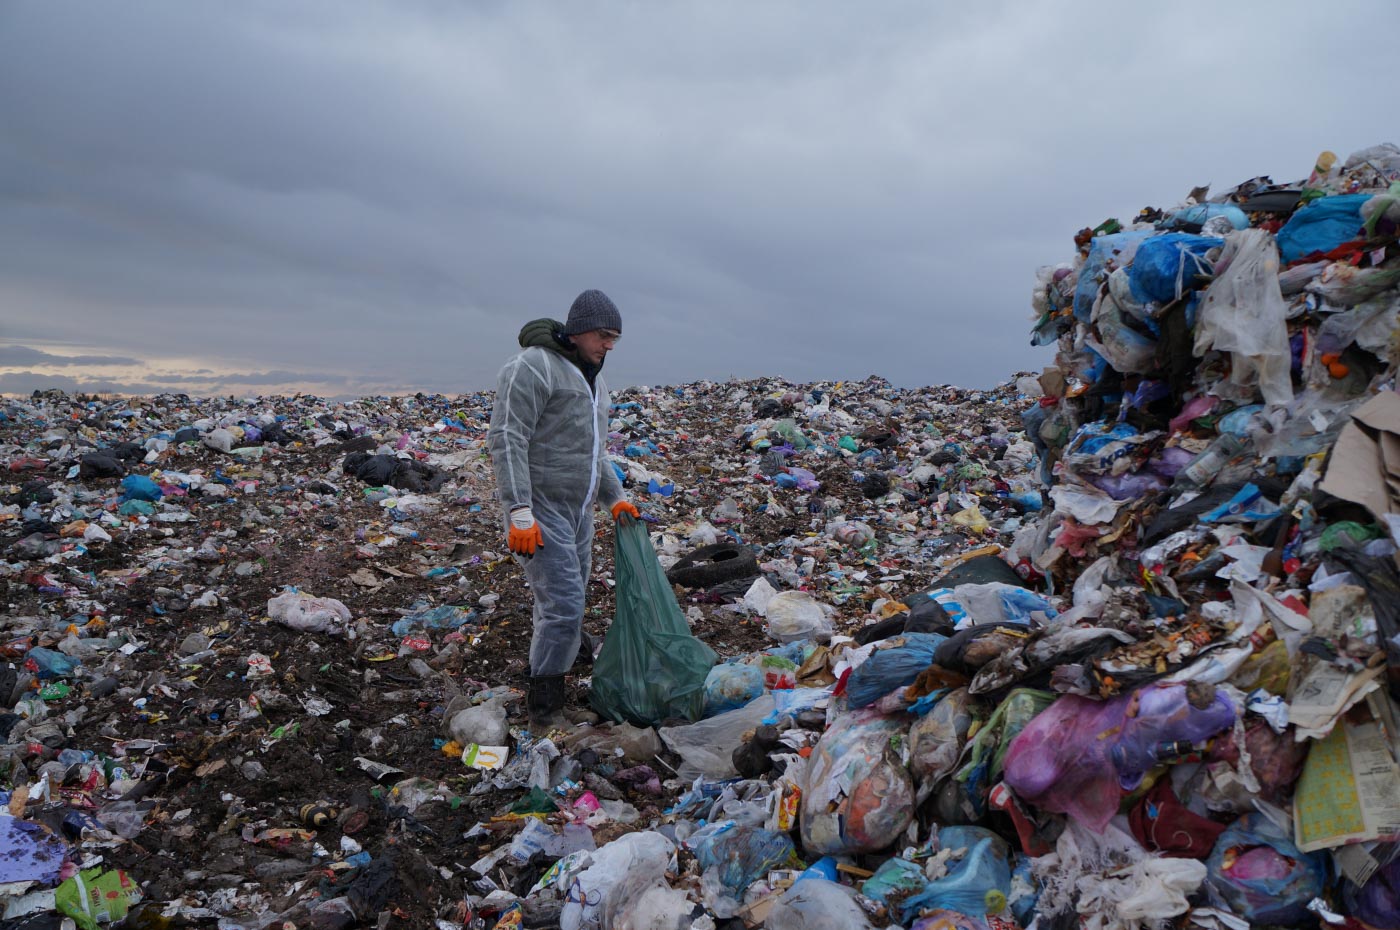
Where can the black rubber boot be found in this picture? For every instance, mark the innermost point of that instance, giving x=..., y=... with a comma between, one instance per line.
x=545, y=703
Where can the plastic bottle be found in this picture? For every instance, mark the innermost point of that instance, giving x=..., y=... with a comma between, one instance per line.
x=1323, y=169
x=1204, y=467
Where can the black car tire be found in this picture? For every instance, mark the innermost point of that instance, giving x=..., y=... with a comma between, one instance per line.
x=712, y=565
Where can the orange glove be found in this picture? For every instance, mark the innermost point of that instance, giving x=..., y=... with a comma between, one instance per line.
x=524, y=536
x=626, y=507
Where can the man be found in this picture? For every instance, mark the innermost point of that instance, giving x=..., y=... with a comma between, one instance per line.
x=548, y=442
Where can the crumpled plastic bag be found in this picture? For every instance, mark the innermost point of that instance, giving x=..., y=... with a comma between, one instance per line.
x=1106, y=877
x=943, y=919
x=894, y=664
x=650, y=667
x=1377, y=903
x=735, y=856
x=978, y=881
x=986, y=752
x=936, y=740
x=95, y=896
x=301, y=611
x=638, y=856
x=795, y=615
x=1321, y=226
x=643, y=901
x=1079, y=756
x=857, y=795
x=1106, y=255
x=707, y=746
x=483, y=724
x=1244, y=313
x=817, y=904
x=731, y=685
x=220, y=440
x=1165, y=267
x=1258, y=873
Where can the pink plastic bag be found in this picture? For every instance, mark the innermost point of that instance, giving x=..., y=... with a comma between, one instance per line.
x=1080, y=756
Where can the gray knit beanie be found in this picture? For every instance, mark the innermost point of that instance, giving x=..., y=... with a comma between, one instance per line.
x=592, y=310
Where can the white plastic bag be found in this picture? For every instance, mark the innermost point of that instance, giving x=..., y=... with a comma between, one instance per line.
x=759, y=595
x=641, y=855
x=796, y=615
x=301, y=611
x=1243, y=313
x=707, y=747
x=646, y=902
x=817, y=904
x=220, y=440
x=483, y=724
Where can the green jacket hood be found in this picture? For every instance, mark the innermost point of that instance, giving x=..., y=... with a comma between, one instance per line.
x=549, y=334
x=545, y=333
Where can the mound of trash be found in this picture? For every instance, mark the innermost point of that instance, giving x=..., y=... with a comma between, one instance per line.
x=1116, y=645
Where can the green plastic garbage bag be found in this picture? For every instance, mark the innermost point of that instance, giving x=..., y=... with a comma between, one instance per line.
x=96, y=897
x=650, y=667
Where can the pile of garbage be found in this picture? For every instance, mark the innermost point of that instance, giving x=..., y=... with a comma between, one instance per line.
x=1114, y=646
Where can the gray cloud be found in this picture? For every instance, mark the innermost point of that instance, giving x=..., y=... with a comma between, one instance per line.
x=384, y=192
x=24, y=355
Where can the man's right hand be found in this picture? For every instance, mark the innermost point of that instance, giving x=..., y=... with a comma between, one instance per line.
x=524, y=536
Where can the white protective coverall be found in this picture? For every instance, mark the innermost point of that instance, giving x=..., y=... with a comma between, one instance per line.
x=548, y=443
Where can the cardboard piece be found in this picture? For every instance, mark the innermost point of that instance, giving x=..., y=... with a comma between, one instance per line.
x=1365, y=464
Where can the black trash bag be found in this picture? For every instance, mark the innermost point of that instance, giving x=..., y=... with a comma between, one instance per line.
x=128, y=451
x=875, y=486
x=32, y=492
x=9, y=677
x=968, y=650
x=404, y=474
x=1175, y=519
x=103, y=464
x=1381, y=581
x=926, y=616
x=768, y=408
x=375, y=886
x=985, y=569
x=276, y=433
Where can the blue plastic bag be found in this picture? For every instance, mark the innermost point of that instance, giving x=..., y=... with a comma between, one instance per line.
x=731, y=685
x=49, y=663
x=446, y=617
x=1255, y=849
x=1166, y=266
x=1017, y=604
x=1201, y=213
x=977, y=884
x=140, y=488
x=743, y=855
x=1118, y=249
x=891, y=668
x=1321, y=226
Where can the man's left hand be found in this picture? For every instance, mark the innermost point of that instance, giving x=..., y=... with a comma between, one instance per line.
x=626, y=507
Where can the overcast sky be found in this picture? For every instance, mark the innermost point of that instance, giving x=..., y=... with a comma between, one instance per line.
x=356, y=197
